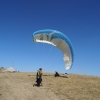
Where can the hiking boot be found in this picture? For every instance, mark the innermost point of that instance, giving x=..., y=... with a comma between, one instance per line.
x=33, y=85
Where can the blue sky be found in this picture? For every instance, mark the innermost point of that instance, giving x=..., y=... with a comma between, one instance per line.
x=79, y=20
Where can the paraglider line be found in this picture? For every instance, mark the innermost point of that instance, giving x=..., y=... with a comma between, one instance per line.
x=43, y=52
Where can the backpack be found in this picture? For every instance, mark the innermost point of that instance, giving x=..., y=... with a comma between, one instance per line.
x=38, y=75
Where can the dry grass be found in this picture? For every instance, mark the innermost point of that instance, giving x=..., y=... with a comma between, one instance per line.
x=75, y=87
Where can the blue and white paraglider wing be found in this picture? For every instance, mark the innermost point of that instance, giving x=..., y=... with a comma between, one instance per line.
x=58, y=39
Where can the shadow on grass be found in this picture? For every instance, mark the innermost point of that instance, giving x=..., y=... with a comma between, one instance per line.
x=63, y=76
x=42, y=75
x=50, y=75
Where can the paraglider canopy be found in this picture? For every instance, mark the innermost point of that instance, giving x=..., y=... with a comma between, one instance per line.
x=59, y=40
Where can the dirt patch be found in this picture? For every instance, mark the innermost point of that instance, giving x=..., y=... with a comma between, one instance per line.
x=18, y=87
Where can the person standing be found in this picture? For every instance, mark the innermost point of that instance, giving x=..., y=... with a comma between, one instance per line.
x=41, y=73
x=38, y=77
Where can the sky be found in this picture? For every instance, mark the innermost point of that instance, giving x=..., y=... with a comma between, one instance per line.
x=79, y=20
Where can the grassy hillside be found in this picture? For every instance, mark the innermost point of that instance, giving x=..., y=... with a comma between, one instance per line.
x=75, y=87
